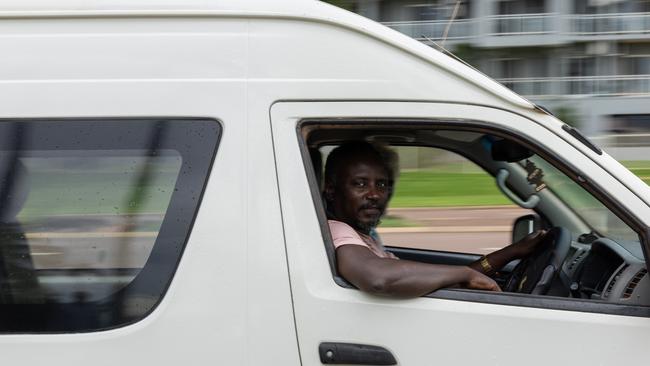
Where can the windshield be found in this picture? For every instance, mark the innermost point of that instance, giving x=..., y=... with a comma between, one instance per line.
x=589, y=209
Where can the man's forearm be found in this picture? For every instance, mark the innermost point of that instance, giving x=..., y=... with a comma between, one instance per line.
x=496, y=260
x=409, y=279
x=403, y=278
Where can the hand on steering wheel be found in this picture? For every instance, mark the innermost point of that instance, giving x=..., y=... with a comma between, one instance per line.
x=527, y=245
x=546, y=253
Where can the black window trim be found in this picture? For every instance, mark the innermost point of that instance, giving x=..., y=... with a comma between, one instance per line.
x=220, y=130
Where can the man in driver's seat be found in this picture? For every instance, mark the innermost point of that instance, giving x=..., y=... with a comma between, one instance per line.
x=359, y=179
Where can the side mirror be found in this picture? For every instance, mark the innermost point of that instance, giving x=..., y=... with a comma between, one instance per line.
x=525, y=225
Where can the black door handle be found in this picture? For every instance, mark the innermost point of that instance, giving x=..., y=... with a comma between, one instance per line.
x=354, y=354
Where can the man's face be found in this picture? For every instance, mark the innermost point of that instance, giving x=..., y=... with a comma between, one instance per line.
x=361, y=193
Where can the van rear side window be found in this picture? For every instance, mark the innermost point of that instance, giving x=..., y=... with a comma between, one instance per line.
x=94, y=216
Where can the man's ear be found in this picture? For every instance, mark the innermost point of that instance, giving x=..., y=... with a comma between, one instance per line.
x=328, y=192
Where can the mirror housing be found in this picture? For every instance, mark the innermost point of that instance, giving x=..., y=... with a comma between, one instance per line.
x=525, y=225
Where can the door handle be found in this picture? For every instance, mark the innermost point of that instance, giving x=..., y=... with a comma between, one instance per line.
x=354, y=354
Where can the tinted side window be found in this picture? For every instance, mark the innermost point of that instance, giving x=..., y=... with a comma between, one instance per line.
x=94, y=216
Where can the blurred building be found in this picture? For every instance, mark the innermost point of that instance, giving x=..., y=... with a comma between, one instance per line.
x=586, y=60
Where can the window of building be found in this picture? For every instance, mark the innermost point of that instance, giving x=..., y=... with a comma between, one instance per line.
x=582, y=66
x=636, y=65
x=438, y=10
x=509, y=7
x=611, y=7
x=94, y=216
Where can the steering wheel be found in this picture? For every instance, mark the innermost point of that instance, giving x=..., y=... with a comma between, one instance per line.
x=535, y=273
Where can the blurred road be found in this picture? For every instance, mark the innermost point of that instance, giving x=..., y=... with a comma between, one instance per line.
x=114, y=241
x=477, y=230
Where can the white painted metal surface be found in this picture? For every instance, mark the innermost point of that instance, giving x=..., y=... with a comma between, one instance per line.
x=425, y=329
x=231, y=299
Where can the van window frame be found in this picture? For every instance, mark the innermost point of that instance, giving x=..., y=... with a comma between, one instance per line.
x=508, y=299
x=197, y=157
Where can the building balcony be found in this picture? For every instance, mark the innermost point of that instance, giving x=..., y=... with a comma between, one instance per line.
x=543, y=28
x=624, y=140
x=434, y=30
x=610, y=24
x=554, y=87
x=462, y=29
x=521, y=24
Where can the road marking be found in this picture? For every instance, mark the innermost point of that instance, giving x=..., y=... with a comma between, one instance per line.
x=444, y=229
x=454, y=208
x=89, y=235
x=444, y=218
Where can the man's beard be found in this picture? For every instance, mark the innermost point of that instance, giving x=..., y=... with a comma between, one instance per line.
x=367, y=226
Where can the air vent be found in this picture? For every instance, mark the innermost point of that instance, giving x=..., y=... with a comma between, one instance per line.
x=633, y=283
x=577, y=259
x=611, y=284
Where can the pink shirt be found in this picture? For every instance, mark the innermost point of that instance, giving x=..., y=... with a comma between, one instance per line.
x=344, y=234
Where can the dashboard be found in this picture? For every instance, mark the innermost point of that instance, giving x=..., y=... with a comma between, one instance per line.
x=607, y=270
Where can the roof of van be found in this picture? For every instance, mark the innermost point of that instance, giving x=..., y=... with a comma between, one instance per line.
x=135, y=5
x=313, y=10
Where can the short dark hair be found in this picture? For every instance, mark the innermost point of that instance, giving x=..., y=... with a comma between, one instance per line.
x=348, y=150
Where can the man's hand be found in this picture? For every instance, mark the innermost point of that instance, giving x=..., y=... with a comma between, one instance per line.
x=479, y=281
x=518, y=250
x=527, y=245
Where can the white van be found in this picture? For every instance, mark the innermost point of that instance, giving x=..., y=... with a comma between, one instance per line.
x=159, y=203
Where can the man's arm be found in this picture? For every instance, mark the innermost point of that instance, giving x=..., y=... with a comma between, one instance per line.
x=403, y=278
x=520, y=249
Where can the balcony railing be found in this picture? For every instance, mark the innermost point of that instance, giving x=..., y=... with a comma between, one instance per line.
x=529, y=24
x=623, y=140
x=500, y=25
x=521, y=24
x=610, y=24
x=617, y=85
x=421, y=30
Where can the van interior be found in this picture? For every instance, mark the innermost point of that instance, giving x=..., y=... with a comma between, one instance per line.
x=594, y=253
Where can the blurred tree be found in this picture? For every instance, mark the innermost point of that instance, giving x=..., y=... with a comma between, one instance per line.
x=567, y=115
x=467, y=53
x=345, y=4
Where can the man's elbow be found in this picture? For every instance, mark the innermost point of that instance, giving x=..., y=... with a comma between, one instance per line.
x=385, y=286
x=374, y=284
x=378, y=286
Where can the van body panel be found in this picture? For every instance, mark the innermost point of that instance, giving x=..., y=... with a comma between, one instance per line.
x=430, y=327
x=221, y=297
x=254, y=285
x=195, y=297
x=305, y=10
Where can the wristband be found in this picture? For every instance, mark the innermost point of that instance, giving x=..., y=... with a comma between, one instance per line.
x=485, y=265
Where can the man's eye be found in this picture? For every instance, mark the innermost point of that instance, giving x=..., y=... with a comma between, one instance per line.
x=359, y=183
x=384, y=185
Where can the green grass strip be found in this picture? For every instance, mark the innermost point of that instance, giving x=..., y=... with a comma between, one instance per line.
x=430, y=188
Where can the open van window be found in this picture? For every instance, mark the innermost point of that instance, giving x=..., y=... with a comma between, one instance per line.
x=462, y=193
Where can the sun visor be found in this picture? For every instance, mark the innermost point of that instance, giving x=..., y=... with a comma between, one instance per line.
x=506, y=150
